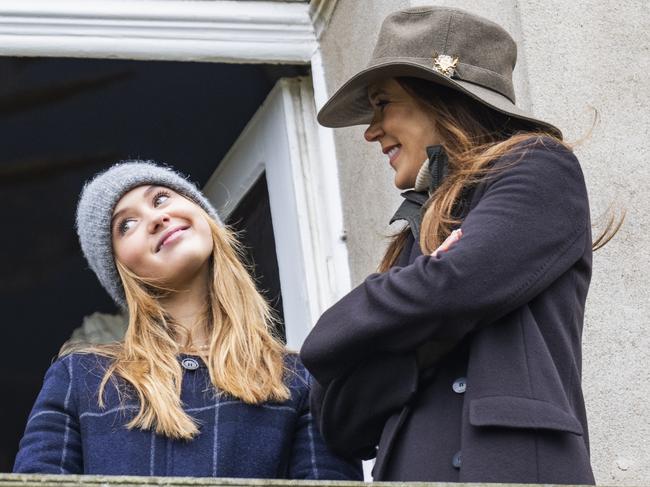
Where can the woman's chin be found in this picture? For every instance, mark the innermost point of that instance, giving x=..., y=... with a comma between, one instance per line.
x=402, y=183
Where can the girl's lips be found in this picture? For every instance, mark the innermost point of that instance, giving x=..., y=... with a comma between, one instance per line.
x=171, y=236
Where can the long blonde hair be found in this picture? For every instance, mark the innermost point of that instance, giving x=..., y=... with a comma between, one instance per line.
x=473, y=136
x=244, y=359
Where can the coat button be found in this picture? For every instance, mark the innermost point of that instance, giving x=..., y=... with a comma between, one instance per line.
x=189, y=363
x=460, y=385
x=456, y=460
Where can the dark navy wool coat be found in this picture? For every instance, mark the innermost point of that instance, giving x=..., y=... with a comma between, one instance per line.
x=67, y=433
x=467, y=366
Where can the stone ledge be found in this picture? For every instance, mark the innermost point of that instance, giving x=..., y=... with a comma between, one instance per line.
x=22, y=480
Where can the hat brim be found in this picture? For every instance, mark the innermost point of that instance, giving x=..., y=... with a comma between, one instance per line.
x=350, y=104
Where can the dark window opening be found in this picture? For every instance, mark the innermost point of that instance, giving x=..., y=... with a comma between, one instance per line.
x=252, y=221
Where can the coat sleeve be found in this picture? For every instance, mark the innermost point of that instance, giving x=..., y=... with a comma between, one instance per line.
x=311, y=458
x=52, y=443
x=529, y=227
x=351, y=411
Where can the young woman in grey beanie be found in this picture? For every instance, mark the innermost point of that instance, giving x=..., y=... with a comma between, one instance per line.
x=464, y=365
x=199, y=386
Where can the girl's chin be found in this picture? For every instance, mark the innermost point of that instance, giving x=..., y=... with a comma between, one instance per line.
x=185, y=268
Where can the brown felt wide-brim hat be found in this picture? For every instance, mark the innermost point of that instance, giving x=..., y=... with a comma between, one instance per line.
x=447, y=46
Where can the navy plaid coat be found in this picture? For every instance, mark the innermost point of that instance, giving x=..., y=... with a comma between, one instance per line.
x=67, y=432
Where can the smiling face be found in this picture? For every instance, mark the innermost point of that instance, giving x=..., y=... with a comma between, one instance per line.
x=159, y=234
x=404, y=128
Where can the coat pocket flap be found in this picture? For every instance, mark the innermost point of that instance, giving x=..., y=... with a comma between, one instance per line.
x=521, y=412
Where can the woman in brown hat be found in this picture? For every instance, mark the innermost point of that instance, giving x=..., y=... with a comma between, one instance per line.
x=462, y=364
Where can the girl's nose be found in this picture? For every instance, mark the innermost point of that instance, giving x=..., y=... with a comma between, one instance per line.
x=158, y=221
x=373, y=132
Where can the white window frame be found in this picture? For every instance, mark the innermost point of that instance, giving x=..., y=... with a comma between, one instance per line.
x=217, y=31
x=181, y=30
x=279, y=141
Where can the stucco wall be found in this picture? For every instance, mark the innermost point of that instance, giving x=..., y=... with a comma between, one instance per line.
x=573, y=57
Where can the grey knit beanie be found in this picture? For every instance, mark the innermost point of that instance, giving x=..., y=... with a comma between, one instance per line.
x=95, y=210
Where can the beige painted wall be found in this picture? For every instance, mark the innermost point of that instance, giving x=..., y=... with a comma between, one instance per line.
x=573, y=57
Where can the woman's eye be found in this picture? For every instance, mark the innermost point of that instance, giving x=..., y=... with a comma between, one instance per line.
x=160, y=198
x=381, y=104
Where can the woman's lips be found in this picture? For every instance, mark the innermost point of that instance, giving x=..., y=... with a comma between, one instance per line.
x=171, y=236
x=393, y=153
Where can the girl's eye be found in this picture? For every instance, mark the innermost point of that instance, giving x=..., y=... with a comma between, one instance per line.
x=160, y=198
x=125, y=225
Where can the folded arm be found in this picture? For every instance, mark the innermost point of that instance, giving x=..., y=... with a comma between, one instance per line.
x=529, y=227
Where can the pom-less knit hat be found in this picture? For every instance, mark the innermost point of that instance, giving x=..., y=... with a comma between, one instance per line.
x=446, y=46
x=95, y=211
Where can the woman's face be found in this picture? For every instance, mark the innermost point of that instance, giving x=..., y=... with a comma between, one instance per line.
x=404, y=128
x=159, y=234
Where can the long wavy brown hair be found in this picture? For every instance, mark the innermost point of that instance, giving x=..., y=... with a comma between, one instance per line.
x=244, y=359
x=473, y=136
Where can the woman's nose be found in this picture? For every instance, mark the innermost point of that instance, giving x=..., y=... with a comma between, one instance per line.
x=373, y=132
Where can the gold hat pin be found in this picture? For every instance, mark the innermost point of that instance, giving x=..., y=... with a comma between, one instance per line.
x=445, y=64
